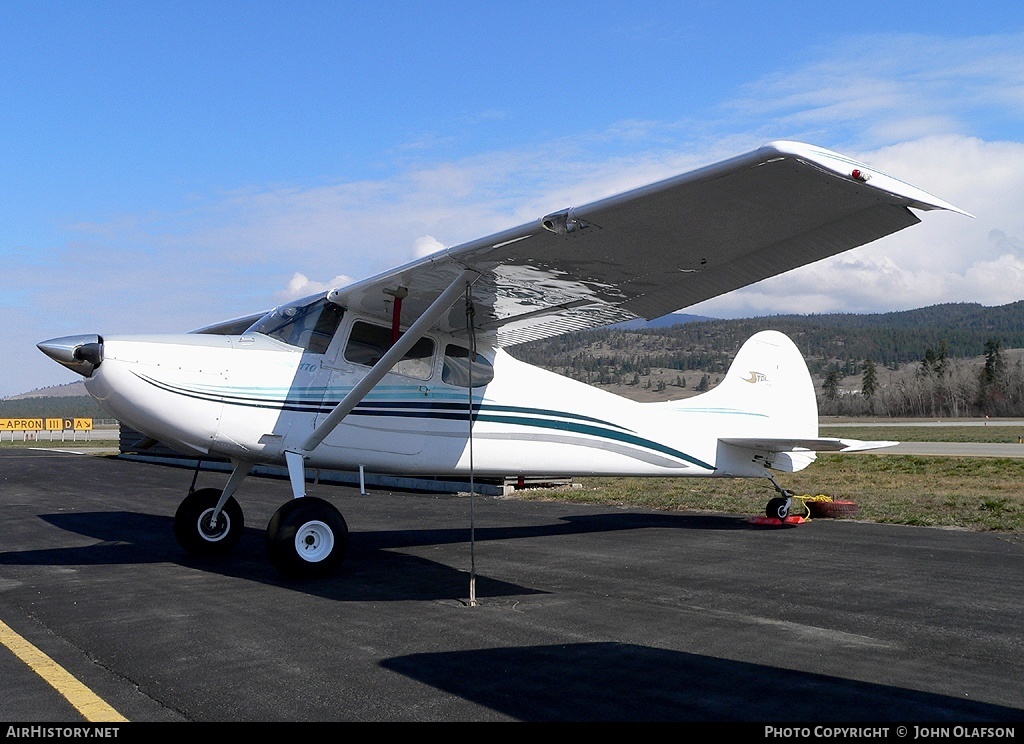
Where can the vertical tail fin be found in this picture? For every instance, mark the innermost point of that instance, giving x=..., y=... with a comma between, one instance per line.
x=765, y=412
x=768, y=380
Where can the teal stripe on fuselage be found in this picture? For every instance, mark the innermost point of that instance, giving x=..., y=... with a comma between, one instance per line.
x=620, y=436
x=493, y=413
x=397, y=396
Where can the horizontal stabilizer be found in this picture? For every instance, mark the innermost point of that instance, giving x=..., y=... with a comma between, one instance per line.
x=825, y=444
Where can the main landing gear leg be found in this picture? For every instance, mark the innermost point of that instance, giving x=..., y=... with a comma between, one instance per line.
x=778, y=507
x=307, y=537
x=209, y=521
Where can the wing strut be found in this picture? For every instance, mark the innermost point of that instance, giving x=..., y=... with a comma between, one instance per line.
x=438, y=307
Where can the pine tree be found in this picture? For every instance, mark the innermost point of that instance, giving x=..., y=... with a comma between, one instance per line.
x=830, y=387
x=869, y=383
x=994, y=363
x=992, y=377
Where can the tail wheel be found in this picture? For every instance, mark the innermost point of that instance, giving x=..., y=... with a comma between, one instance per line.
x=198, y=533
x=777, y=508
x=307, y=538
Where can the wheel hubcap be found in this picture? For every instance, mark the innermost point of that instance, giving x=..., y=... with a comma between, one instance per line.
x=213, y=532
x=314, y=541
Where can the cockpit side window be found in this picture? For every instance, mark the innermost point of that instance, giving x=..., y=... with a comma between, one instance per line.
x=456, y=370
x=309, y=326
x=367, y=343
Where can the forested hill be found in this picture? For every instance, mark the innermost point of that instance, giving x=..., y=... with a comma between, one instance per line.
x=954, y=330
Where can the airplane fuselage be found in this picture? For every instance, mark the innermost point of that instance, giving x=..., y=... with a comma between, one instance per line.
x=250, y=397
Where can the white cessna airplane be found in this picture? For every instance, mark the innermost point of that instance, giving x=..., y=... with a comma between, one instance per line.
x=384, y=373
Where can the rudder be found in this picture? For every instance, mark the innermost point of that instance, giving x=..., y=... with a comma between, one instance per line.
x=769, y=378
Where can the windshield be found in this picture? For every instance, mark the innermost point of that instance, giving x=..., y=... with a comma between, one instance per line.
x=307, y=325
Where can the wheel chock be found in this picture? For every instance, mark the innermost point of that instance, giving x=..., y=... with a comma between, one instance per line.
x=790, y=521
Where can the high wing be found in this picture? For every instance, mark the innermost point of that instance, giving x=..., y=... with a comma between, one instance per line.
x=655, y=249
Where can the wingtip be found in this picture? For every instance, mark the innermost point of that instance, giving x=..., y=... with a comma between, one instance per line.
x=849, y=168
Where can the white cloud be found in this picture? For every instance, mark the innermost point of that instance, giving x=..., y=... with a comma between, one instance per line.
x=426, y=245
x=889, y=87
x=1001, y=281
x=301, y=285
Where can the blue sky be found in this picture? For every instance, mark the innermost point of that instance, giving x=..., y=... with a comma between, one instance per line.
x=167, y=165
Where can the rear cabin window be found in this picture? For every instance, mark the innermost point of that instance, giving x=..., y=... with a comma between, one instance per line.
x=456, y=370
x=367, y=343
x=310, y=326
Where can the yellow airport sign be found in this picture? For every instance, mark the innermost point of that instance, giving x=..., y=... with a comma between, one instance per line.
x=21, y=424
x=47, y=424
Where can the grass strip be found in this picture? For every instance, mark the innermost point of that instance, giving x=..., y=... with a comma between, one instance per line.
x=977, y=493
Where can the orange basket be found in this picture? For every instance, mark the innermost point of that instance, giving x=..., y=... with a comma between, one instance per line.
x=825, y=507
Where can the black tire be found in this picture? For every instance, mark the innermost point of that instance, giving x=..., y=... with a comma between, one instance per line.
x=192, y=524
x=778, y=508
x=307, y=538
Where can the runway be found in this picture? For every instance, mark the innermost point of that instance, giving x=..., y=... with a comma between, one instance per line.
x=940, y=449
x=954, y=449
x=585, y=613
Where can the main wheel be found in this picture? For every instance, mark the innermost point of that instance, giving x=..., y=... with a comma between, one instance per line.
x=778, y=508
x=307, y=538
x=194, y=530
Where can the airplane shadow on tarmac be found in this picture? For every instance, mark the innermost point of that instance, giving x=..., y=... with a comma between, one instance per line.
x=626, y=682
x=372, y=570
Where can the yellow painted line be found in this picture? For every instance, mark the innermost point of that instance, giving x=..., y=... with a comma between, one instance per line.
x=88, y=703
